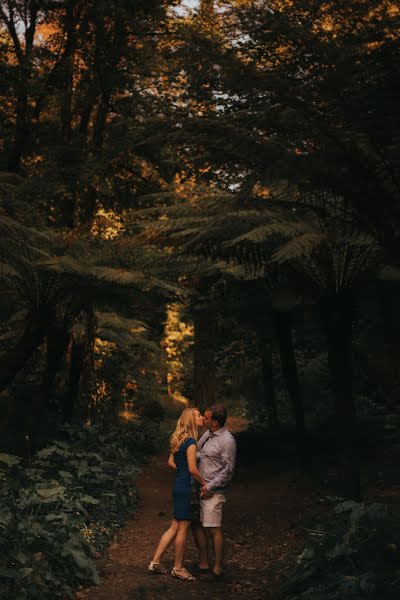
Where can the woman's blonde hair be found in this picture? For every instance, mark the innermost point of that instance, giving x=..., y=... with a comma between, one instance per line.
x=186, y=427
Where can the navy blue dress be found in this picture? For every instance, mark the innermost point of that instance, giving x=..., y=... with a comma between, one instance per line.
x=182, y=490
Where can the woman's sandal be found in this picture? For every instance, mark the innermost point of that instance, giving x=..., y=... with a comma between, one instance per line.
x=182, y=574
x=157, y=568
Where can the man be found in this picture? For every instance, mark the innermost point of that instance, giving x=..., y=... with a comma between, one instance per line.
x=217, y=449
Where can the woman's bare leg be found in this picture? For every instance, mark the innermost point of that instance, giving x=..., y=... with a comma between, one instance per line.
x=166, y=540
x=180, y=543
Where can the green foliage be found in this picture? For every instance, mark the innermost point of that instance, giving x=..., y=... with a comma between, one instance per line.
x=357, y=556
x=78, y=289
x=59, y=510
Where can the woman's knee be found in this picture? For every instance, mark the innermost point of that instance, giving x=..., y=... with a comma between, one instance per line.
x=174, y=525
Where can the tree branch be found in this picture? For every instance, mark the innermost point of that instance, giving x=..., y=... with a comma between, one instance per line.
x=12, y=31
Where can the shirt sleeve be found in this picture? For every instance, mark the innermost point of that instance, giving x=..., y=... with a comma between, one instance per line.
x=228, y=458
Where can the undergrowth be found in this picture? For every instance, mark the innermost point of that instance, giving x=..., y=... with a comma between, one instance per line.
x=59, y=510
x=355, y=554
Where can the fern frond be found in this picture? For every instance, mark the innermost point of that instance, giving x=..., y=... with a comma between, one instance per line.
x=265, y=232
x=125, y=333
x=299, y=247
x=112, y=320
x=7, y=272
x=126, y=341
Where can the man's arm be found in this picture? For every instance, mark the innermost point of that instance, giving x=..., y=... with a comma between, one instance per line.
x=228, y=458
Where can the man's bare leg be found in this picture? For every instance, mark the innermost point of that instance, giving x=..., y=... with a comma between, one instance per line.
x=200, y=538
x=218, y=545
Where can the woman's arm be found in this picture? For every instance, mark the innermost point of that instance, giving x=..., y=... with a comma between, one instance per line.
x=192, y=464
x=171, y=461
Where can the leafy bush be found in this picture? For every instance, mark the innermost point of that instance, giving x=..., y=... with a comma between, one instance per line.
x=59, y=509
x=357, y=557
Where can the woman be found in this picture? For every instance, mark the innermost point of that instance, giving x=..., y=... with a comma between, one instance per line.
x=182, y=458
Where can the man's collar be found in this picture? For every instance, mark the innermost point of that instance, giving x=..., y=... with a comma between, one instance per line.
x=218, y=431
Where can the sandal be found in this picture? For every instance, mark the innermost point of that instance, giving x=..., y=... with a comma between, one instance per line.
x=182, y=574
x=157, y=568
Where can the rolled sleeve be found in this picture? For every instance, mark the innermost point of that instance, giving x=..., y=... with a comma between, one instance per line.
x=225, y=474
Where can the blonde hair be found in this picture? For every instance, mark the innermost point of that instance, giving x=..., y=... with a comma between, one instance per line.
x=186, y=427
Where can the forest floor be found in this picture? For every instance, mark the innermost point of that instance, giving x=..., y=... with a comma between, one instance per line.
x=264, y=524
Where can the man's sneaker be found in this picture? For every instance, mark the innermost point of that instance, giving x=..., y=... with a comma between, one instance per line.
x=195, y=568
x=211, y=577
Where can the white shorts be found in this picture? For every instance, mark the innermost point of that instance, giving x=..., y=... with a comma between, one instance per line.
x=211, y=510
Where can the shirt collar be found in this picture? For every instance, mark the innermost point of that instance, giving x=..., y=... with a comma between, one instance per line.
x=219, y=431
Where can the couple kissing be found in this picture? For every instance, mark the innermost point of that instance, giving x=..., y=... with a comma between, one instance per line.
x=204, y=468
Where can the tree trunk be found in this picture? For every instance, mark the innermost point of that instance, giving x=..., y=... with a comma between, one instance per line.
x=24, y=57
x=17, y=358
x=57, y=344
x=207, y=8
x=204, y=358
x=12, y=364
x=283, y=328
x=21, y=132
x=84, y=119
x=268, y=381
x=67, y=68
x=77, y=359
x=337, y=320
x=101, y=118
x=388, y=309
x=62, y=70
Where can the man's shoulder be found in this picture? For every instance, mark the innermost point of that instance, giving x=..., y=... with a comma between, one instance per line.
x=227, y=436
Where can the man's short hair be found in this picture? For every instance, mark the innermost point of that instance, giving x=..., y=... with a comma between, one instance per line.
x=218, y=413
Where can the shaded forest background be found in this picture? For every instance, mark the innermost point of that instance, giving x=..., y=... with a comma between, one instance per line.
x=200, y=202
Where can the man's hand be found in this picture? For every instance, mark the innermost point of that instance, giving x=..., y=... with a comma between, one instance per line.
x=205, y=492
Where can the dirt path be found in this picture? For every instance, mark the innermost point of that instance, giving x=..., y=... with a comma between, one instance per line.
x=261, y=520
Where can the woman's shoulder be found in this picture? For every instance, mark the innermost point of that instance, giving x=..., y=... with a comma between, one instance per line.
x=188, y=442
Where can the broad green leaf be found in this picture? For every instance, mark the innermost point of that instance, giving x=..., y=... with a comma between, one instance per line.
x=53, y=492
x=307, y=554
x=61, y=516
x=83, y=469
x=10, y=459
x=89, y=500
x=73, y=549
x=21, y=558
x=46, y=452
x=6, y=516
x=22, y=573
x=66, y=475
x=345, y=505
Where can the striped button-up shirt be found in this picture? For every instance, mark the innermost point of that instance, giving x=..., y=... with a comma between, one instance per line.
x=217, y=458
